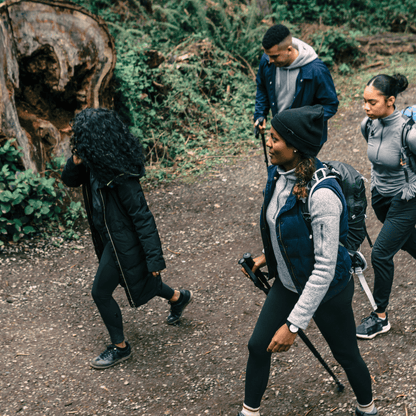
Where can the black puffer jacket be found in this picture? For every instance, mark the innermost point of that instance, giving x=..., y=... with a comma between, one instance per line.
x=128, y=225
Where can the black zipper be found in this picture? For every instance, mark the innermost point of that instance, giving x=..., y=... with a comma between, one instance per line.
x=115, y=252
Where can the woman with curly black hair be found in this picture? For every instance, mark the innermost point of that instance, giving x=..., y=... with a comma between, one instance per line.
x=312, y=272
x=108, y=162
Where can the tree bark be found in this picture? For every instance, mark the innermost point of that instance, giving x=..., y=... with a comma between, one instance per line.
x=264, y=7
x=56, y=58
x=388, y=43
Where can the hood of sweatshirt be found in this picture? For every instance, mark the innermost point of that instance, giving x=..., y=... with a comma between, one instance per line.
x=287, y=75
x=306, y=55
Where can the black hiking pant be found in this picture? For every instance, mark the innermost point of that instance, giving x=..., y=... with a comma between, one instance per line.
x=398, y=233
x=334, y=319
x=105, y=282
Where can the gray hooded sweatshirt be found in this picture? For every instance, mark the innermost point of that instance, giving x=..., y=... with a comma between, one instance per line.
x=286, y=76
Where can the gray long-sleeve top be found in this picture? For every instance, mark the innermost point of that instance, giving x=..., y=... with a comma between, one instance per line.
x=384, y=144
x=326, y=209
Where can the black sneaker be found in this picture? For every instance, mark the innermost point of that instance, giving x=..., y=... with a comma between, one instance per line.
x=111, y=356
x=360, y=413
x=177, y=308
x=372, y=326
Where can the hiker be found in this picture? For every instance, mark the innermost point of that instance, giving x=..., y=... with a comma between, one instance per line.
x=107, y=161
x=312, y=276
x=291, y=75
x=392, y=191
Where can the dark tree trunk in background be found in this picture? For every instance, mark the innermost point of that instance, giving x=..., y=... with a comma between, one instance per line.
x=264, y=6
x=56, y=58
x=388, y=43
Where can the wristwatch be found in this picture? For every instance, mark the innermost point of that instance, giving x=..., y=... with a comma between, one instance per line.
x=292, y=328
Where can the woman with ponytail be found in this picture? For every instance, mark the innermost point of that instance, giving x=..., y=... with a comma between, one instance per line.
x=312, y=275
x=393, y=191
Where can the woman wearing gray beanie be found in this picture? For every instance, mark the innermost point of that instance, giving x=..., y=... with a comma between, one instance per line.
x=312, y=278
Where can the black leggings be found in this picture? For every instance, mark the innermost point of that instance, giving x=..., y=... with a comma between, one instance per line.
x=334, y=319
x=105, y=282
x=398, y=233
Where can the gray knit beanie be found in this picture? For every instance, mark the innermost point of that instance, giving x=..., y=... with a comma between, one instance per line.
x=301, y=127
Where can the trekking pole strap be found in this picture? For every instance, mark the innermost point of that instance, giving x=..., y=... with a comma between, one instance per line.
x=364, y=285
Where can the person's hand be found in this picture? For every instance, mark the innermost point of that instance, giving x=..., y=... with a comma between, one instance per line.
x=258, y=263
x=155, y=274
x=282, y=340
x=76, y=159
x=262, y=126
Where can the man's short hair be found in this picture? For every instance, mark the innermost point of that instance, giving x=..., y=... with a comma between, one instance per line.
x=275, y=35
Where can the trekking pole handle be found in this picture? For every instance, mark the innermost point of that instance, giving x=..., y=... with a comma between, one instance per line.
x=250, y=262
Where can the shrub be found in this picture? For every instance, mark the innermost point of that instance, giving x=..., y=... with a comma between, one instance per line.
x=334, y=46
x=29, y=202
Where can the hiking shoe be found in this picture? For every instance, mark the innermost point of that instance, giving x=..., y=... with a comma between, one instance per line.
x=177, y=308
x=111, y=356
x=372, y=326
x=360, y=413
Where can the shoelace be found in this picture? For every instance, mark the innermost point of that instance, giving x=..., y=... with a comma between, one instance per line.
x=368, y=318
x=108, y=352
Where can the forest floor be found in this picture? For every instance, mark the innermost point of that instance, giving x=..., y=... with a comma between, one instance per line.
x=50, y=327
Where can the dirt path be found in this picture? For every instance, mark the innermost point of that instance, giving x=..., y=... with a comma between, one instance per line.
x=51, y=329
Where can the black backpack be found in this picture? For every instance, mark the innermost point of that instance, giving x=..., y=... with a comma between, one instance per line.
x=407, y=158
x=353, y=188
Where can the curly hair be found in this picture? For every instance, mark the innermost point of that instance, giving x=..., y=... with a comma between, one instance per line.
x=304, y=172
x=275, y=35
x=106, y=146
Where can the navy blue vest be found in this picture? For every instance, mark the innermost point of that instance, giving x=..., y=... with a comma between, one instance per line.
x=294, y=238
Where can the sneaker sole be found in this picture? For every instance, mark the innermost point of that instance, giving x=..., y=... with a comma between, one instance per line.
x=189, y=302
x=103, y=367
x=384, y=330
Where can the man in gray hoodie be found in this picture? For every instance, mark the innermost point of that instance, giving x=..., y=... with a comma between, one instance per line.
x=291, y=75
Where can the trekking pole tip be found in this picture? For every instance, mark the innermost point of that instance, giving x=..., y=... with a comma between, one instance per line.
x=340, y=387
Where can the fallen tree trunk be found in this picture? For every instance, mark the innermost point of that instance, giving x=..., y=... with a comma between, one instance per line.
x=388, y=43
x=56, y=58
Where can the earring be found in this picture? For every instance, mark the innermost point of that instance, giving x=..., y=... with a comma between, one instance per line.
x=295, y=151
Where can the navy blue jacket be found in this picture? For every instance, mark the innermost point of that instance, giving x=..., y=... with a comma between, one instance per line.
x=314, y=85
x=294, y=242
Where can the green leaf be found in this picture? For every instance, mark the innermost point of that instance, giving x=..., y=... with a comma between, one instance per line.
x=29, y=210
x=5, y=208
x=6, y=196
x=17, y=222
x=28, y=229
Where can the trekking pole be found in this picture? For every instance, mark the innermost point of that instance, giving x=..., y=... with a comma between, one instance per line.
x=261, y=282
x=257, y=133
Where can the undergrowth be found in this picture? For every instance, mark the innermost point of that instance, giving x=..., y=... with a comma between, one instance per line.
x=31, y=203
x=185, y=78
x=193, y=108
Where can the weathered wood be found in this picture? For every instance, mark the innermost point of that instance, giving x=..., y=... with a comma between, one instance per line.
x=388, y=43
x=264, y=7
x=56, y=58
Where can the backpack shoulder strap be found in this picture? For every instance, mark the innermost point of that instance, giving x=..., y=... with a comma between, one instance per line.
x=319, y=176
x=367, y=128
x=407, y=126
